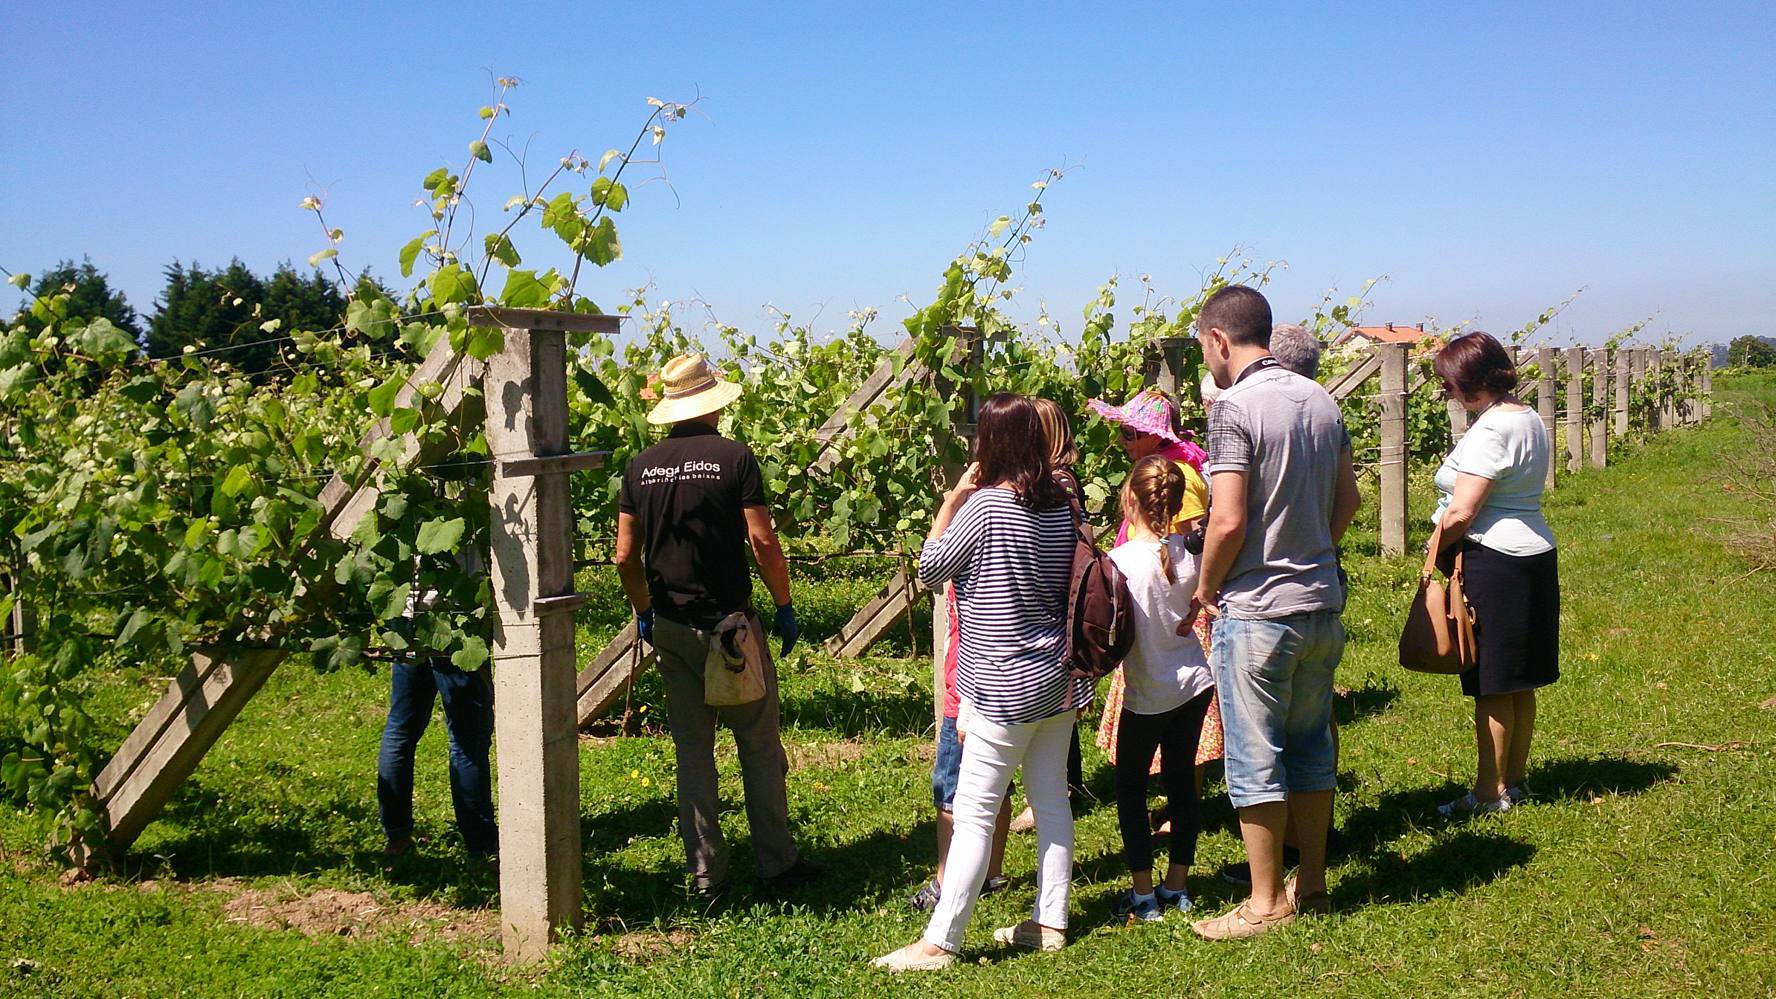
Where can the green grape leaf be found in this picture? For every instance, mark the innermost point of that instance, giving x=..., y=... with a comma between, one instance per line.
x=472, y=654
x=524, y=291
x=500, y=248
x=439, y=535
x=382, y=397
x=239, y=478
x=410, y=252
x=602, y=245
x=594, y=390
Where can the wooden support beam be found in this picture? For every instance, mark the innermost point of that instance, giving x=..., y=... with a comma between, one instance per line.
x=200, y=702
x=1391, y=401
x=840, y=425
x=531, y=541
x=877, y=616
x=610, y=672
x=1348, y=383
x=1600, y=416
x=1546, y=402
x=1574, y=362
x=579, y=461
x=897, y=598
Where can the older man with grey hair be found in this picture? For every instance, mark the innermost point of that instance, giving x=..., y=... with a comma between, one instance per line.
x=1296, y=349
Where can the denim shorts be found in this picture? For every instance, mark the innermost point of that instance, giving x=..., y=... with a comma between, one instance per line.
x=1274, y=679
x=947, y=768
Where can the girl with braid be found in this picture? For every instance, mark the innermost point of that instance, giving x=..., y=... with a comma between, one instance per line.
x=1168, y=686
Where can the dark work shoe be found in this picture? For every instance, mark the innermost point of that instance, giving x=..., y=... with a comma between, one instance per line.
x=397, y=847
x=800, y=873
x=994, y=885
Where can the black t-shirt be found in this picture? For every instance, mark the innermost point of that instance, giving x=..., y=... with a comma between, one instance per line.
x=688, y=492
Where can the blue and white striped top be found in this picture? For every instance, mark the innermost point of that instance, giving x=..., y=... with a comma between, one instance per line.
x=1012, y=568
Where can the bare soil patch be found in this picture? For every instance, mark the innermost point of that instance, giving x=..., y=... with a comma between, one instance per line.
x=643, y=946
x=330, y=912
x=826, y=754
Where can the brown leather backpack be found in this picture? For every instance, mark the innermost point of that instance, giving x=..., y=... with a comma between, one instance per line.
x=1439, y=634
x=1100, y=619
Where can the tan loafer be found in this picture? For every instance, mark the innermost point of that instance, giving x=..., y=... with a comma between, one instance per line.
x=1031, y=935
x=1240, y=924
x=906, y=959
x=1317, y=904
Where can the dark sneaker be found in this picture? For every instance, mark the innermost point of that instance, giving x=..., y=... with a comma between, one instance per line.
x=397, y=847
x=1169, y=899
x=925, y=899
x=995, y=885
x=800, y=873
x=1133, y=907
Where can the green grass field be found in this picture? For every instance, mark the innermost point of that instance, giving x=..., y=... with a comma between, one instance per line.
x=1646, y=867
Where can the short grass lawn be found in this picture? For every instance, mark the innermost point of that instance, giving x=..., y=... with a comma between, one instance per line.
x=1645, y=867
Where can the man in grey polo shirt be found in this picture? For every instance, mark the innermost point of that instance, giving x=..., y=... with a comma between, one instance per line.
x=1284, y=492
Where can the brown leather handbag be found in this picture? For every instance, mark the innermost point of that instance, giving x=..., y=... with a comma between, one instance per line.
x=1439, y=632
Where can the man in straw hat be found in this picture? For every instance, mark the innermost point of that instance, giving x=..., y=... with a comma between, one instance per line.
x=688, y=508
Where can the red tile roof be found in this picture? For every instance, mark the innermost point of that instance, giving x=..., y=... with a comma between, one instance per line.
x=1391, y=333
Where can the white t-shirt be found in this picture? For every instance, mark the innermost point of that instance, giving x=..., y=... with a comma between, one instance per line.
x=1164, y=669
x=1512, y=450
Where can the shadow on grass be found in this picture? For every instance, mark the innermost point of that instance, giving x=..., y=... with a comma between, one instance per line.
x=1368, y=829
x=902, y=713
x=860, y=874
x=1465, y=860
x=225, y=841
x=1372, y=698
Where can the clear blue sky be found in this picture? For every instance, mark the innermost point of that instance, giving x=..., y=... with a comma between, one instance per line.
x=1489, y=159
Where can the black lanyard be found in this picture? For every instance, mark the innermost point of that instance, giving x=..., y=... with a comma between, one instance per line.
x=1262, y=364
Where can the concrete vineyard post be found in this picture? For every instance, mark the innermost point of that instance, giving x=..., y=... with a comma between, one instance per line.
x=1600, y=416
x=1391, y=400
x=1545, y=400
x=535, y=695
x=1575, y=408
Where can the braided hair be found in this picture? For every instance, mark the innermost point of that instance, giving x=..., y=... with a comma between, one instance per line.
x=1154, y=494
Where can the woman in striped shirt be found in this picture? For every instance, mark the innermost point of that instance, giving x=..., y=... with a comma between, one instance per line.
x=1005, y=537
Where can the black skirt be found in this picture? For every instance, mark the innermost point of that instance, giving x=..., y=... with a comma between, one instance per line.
x=1516, y=602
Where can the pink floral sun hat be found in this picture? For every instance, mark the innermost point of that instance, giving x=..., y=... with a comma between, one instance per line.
x=1149, y=412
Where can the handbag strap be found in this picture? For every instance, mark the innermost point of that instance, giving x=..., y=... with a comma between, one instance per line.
x=1432, y=551
x=1435, y=549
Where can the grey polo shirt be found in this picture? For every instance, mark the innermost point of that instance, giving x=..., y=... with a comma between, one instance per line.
x=1286, y=434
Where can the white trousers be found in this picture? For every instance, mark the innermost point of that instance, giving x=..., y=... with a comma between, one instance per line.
x=991, y=753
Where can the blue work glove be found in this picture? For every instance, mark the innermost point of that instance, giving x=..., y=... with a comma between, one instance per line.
x=644, y=625
x=786, y=627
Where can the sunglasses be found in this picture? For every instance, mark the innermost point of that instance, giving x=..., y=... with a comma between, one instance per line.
x=1131, y=434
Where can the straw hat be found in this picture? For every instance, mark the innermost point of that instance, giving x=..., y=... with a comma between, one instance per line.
x=689, y=389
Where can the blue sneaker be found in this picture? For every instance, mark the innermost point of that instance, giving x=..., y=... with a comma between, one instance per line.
x=1133, y=907
x=1169, y=899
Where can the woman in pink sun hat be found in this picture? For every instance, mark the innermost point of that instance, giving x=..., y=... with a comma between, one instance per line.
x=1148, y=425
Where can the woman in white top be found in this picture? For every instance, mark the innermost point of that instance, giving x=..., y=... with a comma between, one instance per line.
x=1491, y=512
x=1168, y=684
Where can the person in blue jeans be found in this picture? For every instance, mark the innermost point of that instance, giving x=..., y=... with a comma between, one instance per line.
x=1284, y=492
x=468, y=715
